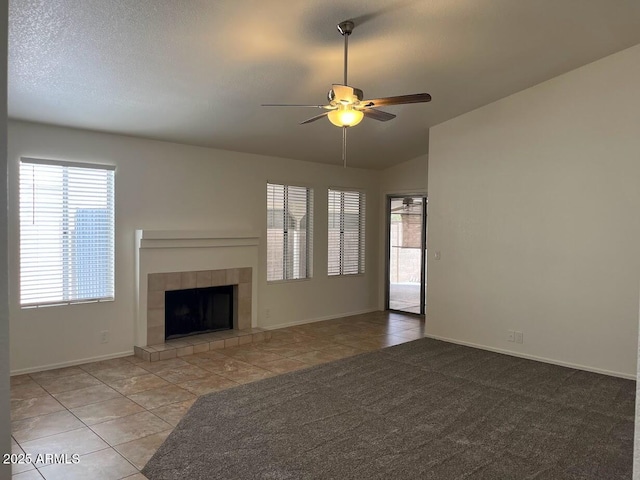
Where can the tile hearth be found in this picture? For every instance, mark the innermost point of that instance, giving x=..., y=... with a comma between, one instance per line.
x=200, y=343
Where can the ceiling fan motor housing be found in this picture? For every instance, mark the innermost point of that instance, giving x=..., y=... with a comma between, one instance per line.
x=357, y=93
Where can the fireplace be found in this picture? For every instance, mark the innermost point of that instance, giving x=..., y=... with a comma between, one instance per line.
x=170, y=260
x=198, y=310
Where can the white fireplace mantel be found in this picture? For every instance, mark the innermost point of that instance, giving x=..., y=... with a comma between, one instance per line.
x=193, y=239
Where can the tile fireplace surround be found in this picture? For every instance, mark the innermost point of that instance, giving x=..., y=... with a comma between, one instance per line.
x=159, y=283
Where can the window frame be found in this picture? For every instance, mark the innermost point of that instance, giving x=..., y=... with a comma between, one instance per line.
x=69, y=296
x=308, y=243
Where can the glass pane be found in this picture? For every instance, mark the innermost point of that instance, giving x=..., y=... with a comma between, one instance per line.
x=405, y=255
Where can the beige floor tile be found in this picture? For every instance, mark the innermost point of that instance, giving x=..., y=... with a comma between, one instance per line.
x=34, y=407
x=289, y=350
x=289, y=337
x=87, y=396
x=20, y=380
x=278, y=342
x=314, y=358
x=126, y=429
x=104, y=464
x=318, y=344
x=411, y=334
x=80, y=441
x=56, y=373
x=104, y=364
x=137, y=476
x=117, y=373
x=283, y=366
x=138, y=452
x=395, y=328
x=135, y=360
x=173, y=413
x=44, y=425
x=182, y=374
x=31, y=474
x=158, y=397
x=204, y=358
x=163, y=364
x=107, y=410
x=342, y=351
x=226, y=366
x=384, y=341
x=19, y=467
x=249, y=375
x=366, y=345
x=253, y=355
x=211, y=383
x=68, y=383
x=27, y=390
x=128, y=386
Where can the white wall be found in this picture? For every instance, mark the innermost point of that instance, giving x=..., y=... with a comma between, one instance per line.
x=164, y=186
x=5, y=421
x=534, y=205
x=408, y=177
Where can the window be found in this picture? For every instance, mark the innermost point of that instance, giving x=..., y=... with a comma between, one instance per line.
x=346, y=232
x=289, y=232
x=66, y=232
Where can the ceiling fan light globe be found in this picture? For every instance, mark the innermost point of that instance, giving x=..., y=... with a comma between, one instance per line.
x=345, y=117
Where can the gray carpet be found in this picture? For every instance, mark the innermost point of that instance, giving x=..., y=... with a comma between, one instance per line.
x=425, y=410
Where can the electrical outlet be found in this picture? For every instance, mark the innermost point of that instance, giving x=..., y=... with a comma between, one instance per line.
x=437, y=255
x=511, y=336
x=267, y=313
x=519, y=337
x=104, y=336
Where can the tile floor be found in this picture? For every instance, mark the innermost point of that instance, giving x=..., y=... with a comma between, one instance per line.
x=115, y=413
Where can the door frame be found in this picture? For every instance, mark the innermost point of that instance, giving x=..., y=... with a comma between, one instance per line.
x=423, y=253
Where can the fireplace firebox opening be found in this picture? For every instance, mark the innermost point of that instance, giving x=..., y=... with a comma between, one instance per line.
x=199, y=310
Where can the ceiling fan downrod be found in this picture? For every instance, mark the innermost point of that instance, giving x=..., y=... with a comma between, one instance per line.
x=345, y=28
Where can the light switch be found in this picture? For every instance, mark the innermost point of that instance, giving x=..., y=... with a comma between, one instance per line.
x=437, y=255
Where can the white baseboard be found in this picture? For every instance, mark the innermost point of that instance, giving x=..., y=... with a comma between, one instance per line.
x=318, y=319
x=534, y=357
x=71, y=363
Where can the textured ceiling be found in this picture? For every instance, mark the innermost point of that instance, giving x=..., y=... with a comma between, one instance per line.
x=196, y=71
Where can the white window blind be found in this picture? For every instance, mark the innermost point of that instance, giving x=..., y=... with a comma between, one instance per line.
x=289, y=232
x=66, y=232
x=346, y=232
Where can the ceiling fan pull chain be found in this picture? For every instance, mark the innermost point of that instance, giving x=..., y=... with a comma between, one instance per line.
x=344, y=146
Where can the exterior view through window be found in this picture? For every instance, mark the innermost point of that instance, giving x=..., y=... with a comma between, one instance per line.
x=346, y=232
x=289, y=232
x=66, y=232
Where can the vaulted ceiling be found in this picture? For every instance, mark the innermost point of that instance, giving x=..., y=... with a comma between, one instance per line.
x=196, y=71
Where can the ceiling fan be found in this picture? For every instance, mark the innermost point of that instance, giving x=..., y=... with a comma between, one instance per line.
x=347, y=107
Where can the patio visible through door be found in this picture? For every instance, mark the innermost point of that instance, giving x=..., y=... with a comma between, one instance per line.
x=406, y=253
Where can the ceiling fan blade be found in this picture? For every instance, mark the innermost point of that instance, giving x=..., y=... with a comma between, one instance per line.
x=291, y=105
x=413, y=98
x=313, y=119
x=378, y=114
